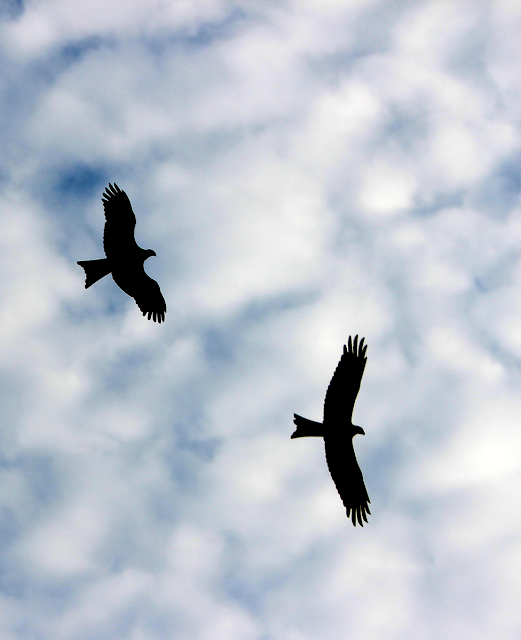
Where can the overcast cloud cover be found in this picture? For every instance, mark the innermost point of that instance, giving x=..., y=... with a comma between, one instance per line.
x=304, y=170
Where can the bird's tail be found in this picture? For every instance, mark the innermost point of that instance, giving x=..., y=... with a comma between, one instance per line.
x=95, y=270
x=307, y=428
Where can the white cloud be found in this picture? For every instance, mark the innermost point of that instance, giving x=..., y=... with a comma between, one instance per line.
x=50, y=23
x=435, y=32
x=386, y=189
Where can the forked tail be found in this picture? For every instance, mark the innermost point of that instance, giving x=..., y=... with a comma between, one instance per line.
x=94, y=270
x=307, y=428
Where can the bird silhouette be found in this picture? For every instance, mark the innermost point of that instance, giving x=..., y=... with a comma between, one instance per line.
x=338, y=430
x=125, y=259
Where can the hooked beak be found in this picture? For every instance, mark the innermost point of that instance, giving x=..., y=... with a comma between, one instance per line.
x=360, y=431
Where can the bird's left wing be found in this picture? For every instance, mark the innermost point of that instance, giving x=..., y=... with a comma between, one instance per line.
x=148, y=297
x=118, y=236
x=345, y=383
x=348, y=480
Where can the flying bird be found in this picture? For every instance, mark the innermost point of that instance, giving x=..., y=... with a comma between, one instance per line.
x=338, y=430
x=125, y=259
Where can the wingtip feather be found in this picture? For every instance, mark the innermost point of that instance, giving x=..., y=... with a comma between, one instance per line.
x=355, y=347
x=358, y=514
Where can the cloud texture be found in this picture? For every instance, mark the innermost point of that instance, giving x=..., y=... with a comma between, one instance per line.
x=304, y=171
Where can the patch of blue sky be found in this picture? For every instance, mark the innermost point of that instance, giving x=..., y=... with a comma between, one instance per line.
x=42, y=477
x=233, y=579
x=41, y=481
x=507, y=359
x=204, y=449
x=439, y=202
x=10, y=529
x=4, y=176
x=110, y=303
x=199, y=149
x=122, y=373
x=251, y=591
x=499, y=273
x=65, y=192
x=186, y=470
x=75, y=51
x=163, y=505
x=189, y=422
x=79, y=313
x=254, y=586
x=185, y=452
x=14, y=581
x=203, y=34
x=11, y=9
x=498, y=194
x=407, y=123
x=469, y=58
x=81, y=181
x=222, y=342
x=14, y=383
x=120, y=625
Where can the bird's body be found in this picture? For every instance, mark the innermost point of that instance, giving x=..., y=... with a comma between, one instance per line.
x=125, y=258
x=338, y=431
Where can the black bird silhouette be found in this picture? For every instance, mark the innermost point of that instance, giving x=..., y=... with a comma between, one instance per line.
x=125, y=259
x=338, y=430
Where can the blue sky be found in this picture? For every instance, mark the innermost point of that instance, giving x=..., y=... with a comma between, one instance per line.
x=305, y=171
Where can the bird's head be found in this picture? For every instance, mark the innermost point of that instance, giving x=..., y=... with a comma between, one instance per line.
x=149, y=253
x=358, y=430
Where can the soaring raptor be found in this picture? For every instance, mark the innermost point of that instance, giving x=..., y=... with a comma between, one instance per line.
x=125, y=259
x=338, y=430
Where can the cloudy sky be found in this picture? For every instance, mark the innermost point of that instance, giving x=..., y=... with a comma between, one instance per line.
x=305, y=171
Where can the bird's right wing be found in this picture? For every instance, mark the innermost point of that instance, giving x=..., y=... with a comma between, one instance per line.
x=345, y=383
x=348, y=480
x=148, y=297
x=118, y=236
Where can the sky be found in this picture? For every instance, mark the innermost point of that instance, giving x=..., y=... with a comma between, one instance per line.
x=305, y=171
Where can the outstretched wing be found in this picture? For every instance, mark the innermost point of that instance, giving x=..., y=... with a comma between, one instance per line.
x=146, y=292
x=345, y=383
x=148, y=297
x=118, y=236
x=348, y=479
